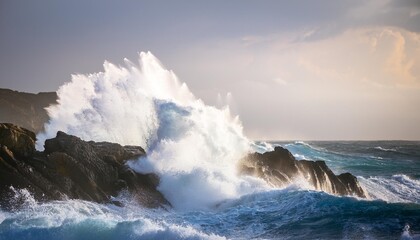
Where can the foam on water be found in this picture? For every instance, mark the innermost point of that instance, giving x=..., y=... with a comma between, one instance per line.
x=398, y=188
x=77, y=219
x=386, y=149
x=293, y=212
x=262, y=147
x=2, y=216
x=307, y=145
x=193, y=147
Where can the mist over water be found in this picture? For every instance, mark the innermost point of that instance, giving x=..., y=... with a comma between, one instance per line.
x=193, y=147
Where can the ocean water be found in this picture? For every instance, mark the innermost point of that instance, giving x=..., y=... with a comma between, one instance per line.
x=390, y=177
x=194, y=148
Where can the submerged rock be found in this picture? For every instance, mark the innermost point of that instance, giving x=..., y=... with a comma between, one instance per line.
x=71, y=168
x=280, y=168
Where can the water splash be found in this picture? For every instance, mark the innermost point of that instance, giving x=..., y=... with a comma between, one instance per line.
x=193, y=147
x=78, y=219
x=116, y=105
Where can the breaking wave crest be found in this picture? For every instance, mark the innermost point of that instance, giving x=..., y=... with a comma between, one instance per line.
x=293, y=212
x=385, y=149
x=398, y=188
x=77, y=219
x=117, y=105
x=193, y=147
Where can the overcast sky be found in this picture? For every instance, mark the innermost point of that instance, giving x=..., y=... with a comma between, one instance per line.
x=308, y=70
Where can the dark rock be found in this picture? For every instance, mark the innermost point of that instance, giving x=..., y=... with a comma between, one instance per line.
x=117, y=152
x=71, y=168
x=17, y=174
x=19, y=140
x=280, y=168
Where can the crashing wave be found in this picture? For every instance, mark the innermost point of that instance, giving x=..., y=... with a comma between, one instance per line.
x=189, y=143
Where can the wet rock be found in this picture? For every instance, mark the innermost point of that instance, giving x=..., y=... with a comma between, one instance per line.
x=19, y=140
x=280, y=168
x=71, y=168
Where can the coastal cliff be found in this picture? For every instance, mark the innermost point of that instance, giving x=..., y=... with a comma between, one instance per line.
x=26, y=109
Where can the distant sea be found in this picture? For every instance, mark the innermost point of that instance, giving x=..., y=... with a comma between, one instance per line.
x=389, y=171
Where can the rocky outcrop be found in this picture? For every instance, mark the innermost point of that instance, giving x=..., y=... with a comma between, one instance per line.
x=17, y=139
x=25, y=109
x=280, y=168
x=71, y=168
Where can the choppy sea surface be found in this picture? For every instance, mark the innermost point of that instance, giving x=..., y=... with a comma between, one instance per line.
x=389, y=171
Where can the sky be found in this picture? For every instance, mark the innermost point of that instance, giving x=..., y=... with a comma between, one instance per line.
x=291, y=70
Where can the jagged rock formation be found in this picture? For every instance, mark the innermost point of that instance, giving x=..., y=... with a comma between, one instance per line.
x=25, y=109
x=71, y=168
x=280, y=168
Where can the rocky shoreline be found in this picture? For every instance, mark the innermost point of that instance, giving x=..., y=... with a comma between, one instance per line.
x=280, y=168
x=70, y=168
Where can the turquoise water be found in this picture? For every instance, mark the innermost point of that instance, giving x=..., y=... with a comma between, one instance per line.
x=364, y=158
x=388, y=171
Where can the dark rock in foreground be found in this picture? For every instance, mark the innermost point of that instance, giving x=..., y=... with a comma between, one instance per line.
x=280, y=168
x=71, y=168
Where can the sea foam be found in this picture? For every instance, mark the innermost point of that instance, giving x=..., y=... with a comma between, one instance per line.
x=398, y=188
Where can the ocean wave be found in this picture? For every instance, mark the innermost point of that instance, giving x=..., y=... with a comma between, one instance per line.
x=328, y=153
x=306, y=214
x=305, y=144
x=262, y=147
x=317, y=149
x=193, y=147
x=398, y=188
x=299, y=156
x=386, y=149
x=2, y=217
x=292, y=212
x=77, y=219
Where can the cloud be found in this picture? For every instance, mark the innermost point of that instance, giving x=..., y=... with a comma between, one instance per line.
x=401, y=54
x=398, y=63
x=341, y=87
x=385, y=55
